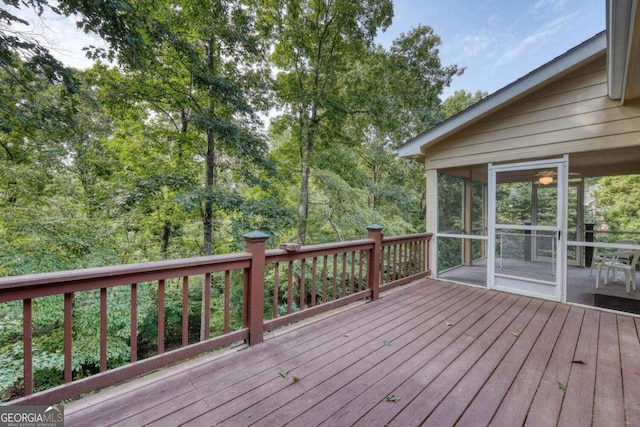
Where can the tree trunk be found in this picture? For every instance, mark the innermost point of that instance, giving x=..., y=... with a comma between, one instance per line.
x=303, y=207
x=166, y=238
x=211, y=172
x=305, y=157
x=210, y=180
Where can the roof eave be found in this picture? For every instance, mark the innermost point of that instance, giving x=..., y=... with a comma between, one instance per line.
x=499, y=99
x=618, y=43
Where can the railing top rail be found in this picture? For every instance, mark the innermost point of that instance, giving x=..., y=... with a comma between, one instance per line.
x=279, y=255
x=124, y=273
x=408, y=238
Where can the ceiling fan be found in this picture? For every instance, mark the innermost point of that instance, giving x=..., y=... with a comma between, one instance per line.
x=545, y=177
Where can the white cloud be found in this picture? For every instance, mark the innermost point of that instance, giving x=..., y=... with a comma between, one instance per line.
x=469, y=46
x=538, y=37
x=542, y=6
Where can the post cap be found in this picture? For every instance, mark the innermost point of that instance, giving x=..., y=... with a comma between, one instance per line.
x=256, y=235
x=374, y=227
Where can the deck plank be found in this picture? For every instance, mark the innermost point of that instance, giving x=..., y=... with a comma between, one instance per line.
x=381, y=381
x=426, y=370
x=229, y=398
x=547, y=403
x=608, y=400
x=448, y=352
x=630, y=364
x=458, y=399
x=515, y=405
x=577, y=407
x=406, y=336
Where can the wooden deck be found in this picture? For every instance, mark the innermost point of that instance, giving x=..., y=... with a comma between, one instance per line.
x=434, y=354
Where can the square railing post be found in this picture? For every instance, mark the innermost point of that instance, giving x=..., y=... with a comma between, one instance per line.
x=256, y=243
x=374, y=232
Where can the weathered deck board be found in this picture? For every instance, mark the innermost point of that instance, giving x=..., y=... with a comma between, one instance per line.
x=577, y=408
x=429, y=362
x=609, y=401
x=450, y=353
x=386, y=361
x=513, y=409
x=223, y=404
x=630, y=362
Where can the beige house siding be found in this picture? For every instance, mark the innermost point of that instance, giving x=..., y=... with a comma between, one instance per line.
x=570, y=115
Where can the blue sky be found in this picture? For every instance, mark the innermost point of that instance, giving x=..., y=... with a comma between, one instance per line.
x=498, y=41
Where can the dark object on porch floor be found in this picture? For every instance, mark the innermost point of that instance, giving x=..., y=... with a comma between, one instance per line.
x=628, y=305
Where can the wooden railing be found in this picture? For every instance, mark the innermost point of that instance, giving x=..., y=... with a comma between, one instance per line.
x=296, y=284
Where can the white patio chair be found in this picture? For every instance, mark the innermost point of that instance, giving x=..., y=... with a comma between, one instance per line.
x=628, y=269
x=599, y=257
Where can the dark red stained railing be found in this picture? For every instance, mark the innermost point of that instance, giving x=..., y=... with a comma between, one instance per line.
x=316, y=279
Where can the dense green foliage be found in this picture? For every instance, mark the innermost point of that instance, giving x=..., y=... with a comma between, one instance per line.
x=165, y=156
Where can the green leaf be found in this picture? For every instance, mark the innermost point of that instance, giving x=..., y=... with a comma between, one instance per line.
x=283, y=373
x=295, y=378
x=392, y=398
x=562, y=386
x=387, y=343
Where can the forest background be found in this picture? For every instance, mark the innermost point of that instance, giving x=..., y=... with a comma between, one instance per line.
x=168, y=154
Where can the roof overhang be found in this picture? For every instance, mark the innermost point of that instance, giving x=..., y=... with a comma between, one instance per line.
x=623, y=49
x=585, y=52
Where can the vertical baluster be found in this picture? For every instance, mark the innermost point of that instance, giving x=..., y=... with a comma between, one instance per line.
x=290, y=287
x=276, y=288
x=360, y=282
x=103, y=329
x=395, y=263
x=303, y=273
x=389, y=267
x=134, y=323
x=352, y=277
x=334, y=294
x=185, y=311
x=27, y=351
x=314, y=273
x=324, y=279
x=227, y=301
x=161, y=316
x=245, y=297
x=207, y=306
x=68, y=333
x=344, y=274
x=410, y=256
x=402, y=260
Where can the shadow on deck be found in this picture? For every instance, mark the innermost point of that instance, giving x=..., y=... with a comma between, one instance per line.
x=433, y=352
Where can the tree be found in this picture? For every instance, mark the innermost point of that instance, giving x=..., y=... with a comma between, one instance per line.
x=616, y=197
x=314, y=43
x=461, y=100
